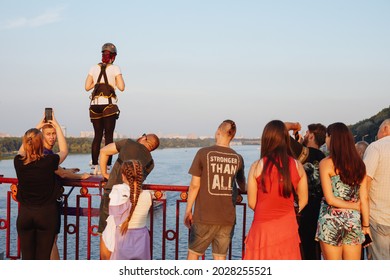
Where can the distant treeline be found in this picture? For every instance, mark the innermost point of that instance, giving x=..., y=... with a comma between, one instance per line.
x=365, y=129
x=10, y=145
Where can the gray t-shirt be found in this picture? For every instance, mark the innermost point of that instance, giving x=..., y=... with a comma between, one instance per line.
x=129, y=149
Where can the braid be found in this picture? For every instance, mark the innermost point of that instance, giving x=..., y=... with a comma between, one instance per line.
x=133, y=172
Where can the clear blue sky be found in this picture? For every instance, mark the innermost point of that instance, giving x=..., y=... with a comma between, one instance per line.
x=188, y=65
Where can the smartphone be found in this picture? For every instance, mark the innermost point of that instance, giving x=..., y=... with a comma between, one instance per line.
x=296, y=135
x=368, y=240
x=48, y=114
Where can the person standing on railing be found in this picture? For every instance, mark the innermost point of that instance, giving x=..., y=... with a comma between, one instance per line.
x=126, y=234
x=37, y=193
x=127, y=149
x=49, y=140
x=104, y=78
x=214, y=171
x=272, y=181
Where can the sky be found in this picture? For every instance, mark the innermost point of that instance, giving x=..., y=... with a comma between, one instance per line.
x=188, y=65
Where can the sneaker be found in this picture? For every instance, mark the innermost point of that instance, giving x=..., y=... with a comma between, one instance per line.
x=95, y=170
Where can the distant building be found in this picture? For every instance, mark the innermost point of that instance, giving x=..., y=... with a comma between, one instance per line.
x=91, y=134
x=86, y=134
x=2, y=135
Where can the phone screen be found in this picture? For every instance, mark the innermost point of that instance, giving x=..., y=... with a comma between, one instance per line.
x=48, y=114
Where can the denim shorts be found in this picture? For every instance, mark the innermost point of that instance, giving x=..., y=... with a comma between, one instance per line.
x=202, y=235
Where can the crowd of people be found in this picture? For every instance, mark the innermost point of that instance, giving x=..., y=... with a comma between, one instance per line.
x=307, y=204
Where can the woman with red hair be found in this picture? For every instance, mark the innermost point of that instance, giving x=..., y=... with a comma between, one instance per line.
x=104, y=78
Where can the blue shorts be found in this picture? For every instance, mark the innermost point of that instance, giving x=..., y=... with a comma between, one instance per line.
x=202, y=235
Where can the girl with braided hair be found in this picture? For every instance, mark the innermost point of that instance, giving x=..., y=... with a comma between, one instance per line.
x=126, y=234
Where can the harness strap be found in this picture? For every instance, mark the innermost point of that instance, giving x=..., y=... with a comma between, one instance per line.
x=104, y=75
x=102, y=72
x=105, y=80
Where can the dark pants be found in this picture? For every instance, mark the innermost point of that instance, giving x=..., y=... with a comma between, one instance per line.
x=310, y=248
x=103, y=126
x=37, y=227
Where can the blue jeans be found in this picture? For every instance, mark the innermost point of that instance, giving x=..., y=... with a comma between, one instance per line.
x=380, y=246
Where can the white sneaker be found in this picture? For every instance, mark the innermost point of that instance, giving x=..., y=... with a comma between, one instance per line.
x=95, y=170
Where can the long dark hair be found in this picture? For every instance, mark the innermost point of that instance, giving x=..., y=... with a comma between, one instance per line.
x=275, y=147
x=132, y=170
x=347, y=162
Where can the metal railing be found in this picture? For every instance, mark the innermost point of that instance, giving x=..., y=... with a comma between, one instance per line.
x=79, y=238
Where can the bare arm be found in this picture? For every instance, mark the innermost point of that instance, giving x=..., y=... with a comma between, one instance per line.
x=192, y=194
x=294, y=126
x=69, y=174
x=302, y=188
x=326, y=172
x=364, y=205
x=89, y=83
x=63, y=147
x=120, y=84
x=105, y=153
x=254, y=172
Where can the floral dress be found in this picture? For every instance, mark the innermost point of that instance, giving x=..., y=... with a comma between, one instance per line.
x=338, y=226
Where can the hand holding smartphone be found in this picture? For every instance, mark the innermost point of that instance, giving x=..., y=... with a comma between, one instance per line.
x=367, y=240
x=296, y=135
x=48, y=114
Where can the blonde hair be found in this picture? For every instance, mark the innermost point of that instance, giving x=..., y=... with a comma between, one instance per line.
x=33, y=145
x=133, y=172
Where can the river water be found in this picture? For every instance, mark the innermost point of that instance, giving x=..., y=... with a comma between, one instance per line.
x=171, y=168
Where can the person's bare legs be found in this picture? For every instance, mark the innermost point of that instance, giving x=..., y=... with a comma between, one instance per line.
x=331, y=252
x=219, y=257
x=192, y=256
x=55, y=255
x=352, y=252
x=105, y=254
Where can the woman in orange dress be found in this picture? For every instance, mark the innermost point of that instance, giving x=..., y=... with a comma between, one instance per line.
x=272, y=180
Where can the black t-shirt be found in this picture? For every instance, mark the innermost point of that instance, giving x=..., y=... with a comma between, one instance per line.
x=36, y=180
x=310, y=158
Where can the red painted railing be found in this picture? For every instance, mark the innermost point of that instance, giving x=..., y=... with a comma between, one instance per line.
x=79, y=239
